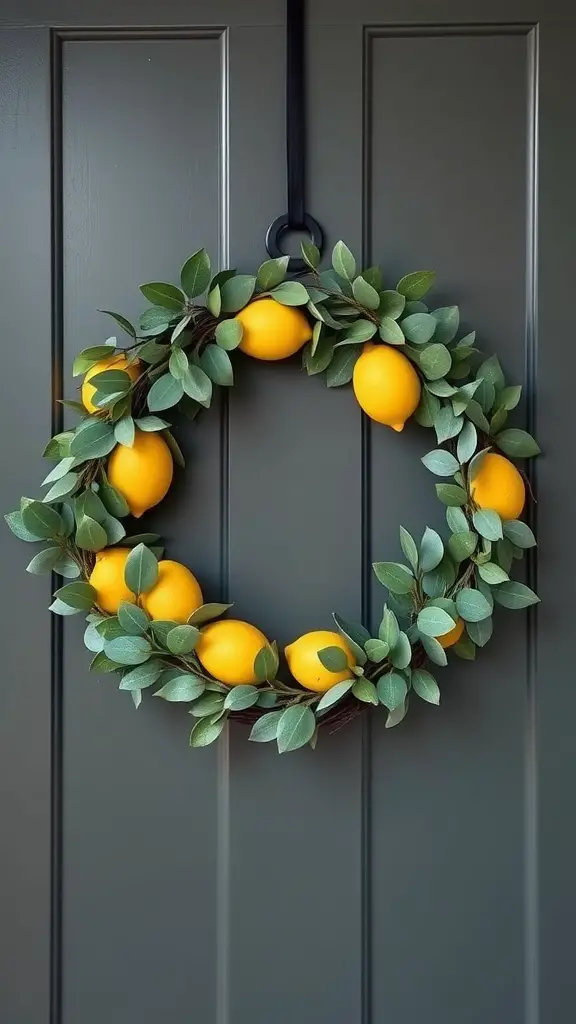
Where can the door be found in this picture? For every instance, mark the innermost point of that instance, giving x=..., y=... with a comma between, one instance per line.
x=390, y=874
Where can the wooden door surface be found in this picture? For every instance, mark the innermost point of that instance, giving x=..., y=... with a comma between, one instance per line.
x=389, y=875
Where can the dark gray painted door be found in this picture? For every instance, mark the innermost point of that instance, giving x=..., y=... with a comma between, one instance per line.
x=424, y=872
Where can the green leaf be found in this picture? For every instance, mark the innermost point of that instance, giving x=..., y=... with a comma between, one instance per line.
x=214, y=300
x=390, y=332
x=89, y=356
x=365, y=691
x=334, y=694
x=464, y=395
x=228, y=334
x=475, y=414
x=448, y=319
x=178, y=363
x=125, y=432
x=408, y=545
x=415, y=286
x=488, y=523
x=440, y=462
x=182, y=639
x=377, y=650
x=419, y=327
x=290, y=293
x=389, y=629
x=296, y=727
x=198, y=385
x=58, y=447
x=175, y=449
x=66, y=485
x=58, y=607
x=310, y=254
x=160, y=293
x=266, y=663
x=241, y=697
x=435, y=621
x=355, y=634
x=514, y=595
x=237, y=292
x=165, y=392
x=341, y=367
x=467, y=442
x=471, y=605
x=266, y=728
x=392, y=690
x=113, y=501
x=91, y=535
x=508, y=398
x=266, y=699
x=358, y=331
x=436, y=582
x=447, y=424
x=140, y=570
x=517, y=443
x=480, y=632
x=37, y=519
x=93, y=440
x=132, y=619
x=207, y=612
x=111, y=382
x=463, y=544
x=92, y=639
x=209, y=704
x=492, y=573
x=160, y=629
x=216, y=364
x=435, y=361
x=44, y=561
x=434, y=650
x=333, y=658
x=395, y=576
x=497, y=421
x=180, y=328
x=456, y=520
x=121, y=321
x=441, y=388
x=519, y=533
x=424, y=684
x=491, y=371
x=152, y=352
x=428, y=410
x=365, y=294
x=401, y=653
x=318, y=361
x=392, y=304
x=128, y=650
x=142, y=676
x=206, y=732
x=343, y=261
x=60, y=470
x=485, y=395
x=180, y=686
x=101, y=663
x=451, y=494
x=432, y=550
x=195, y=274
x=78, y=595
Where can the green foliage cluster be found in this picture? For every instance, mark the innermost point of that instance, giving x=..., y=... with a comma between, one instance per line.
x=184, y=346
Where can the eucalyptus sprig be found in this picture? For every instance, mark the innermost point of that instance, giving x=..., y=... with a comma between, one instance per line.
x=183, y=343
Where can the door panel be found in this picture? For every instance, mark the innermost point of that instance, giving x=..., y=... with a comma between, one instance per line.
x=387, y=874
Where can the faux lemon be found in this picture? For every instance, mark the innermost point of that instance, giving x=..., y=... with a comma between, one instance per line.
x=272, y=331
x=175, y=595
x=451, y=638
x=142, y=473
x=119, y=362
x=227, y=649
x=386, y=385
x=305, y=665
x=498, y=485
x=107, y=578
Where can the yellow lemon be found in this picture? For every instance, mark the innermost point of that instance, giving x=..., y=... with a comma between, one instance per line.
x=175, y=595
x=114, y=363
x=107, y=578
x=272, y=331
x=142, y=473
x=386, y=385
x=451, y=638
x=227, y=649
x=498, y=485
x=305, y=665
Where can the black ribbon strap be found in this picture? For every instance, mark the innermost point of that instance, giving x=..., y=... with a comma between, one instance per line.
x=296, y=218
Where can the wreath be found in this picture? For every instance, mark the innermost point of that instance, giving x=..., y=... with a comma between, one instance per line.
x=146, y=616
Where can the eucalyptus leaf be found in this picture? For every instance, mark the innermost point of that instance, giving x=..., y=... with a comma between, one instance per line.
x=180, y=686
x=341, y=367
x=160, y=293
x=434, y=650
x=488, y=523
x=435, y=361
x=206, y=732
x=197, y=385
x=125, y=431
x=90, y=535
x=472, y=605
x=519, y=533
x=333, y=658
x=228, y=334
x=195, y=274
x=128, y=650
x=395, y=576
x=216, y=364
x=64, y=486
x=435, y=621
x=467, y=441
x=418, y=328
x=447, y=424
x=392, y=690
x=392, y=304
x=408, y=545
x=365, y=293
x=37, y=520
x=451, y=494
x=377, y=650
x=415, y=286
x=424, y=684
x=334, y=694
x=142, y=676
x=440, y=462
x=140, y=570
x=165, y=393
x=390, y=331
x=236, y=292
x=290, y=293
x=241, y=697
x=266, y=663
x=132, y=619
x=389, y=629
x=428, y=410
x=448, y=319
x=463, y=544
x=266, y=728
x=44, y=561
x=207, y=612
x=296, y=727
x=343, y=261
x=480, y=632
x=182, y=639
x=517, y=443
x=401, y=653
x=513, y=594
x=365, y=691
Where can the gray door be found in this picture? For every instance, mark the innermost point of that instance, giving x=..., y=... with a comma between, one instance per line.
x=390, y=876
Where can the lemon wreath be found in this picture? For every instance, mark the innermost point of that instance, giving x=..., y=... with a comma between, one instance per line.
x=146, y=615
